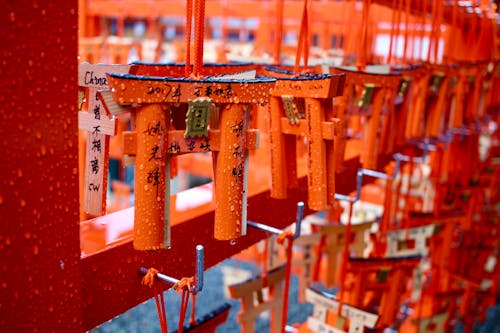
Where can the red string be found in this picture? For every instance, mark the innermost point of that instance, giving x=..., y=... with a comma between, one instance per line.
x=343, y=272
x=303, y=42
x=386, y=218
x=182, y=314
x=319, y=255
x=278, y=32
x=407, y=21
x=407, y=198
x=433, y=29
x=192, y=319
x=423, y=22
x=184, y=287
x=398, y=22
x=393, y=27
x=288, y=270
x=264, y=262
x=199, y=35
x=361, y=63
x=189, y=19
x=149, y=280
x=439, y=19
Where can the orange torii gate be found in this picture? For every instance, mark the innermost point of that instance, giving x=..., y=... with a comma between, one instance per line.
x=332, y=316
x=335, y=244
x=156, y=142
x=368, y=96
x=379, y=283
x=252, y=289
x=300, y=106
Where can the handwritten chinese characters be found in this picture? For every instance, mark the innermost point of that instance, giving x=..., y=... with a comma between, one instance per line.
x=99, y=127
x=152, y=166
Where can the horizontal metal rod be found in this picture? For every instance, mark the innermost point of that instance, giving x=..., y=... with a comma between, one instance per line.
x=376, y=174
x=276, y=231
x=198, y=275
x=343, y=197
x=408, y=158
x=265, y=227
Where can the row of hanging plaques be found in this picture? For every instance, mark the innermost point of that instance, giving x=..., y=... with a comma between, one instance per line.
x=326, y=109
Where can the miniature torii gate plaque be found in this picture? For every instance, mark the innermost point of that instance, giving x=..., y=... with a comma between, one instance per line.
x=377, y=94
x=398, y=241
x=358, y=319
x=316, y=123
x=336, y=238
x=154, y=142
x=99, y=127
x=249, y=310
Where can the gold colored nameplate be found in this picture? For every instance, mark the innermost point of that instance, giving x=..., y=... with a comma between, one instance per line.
x=291, y=111
x=366, y=96
x=197, y=117
x=403, y=88
x=436, y=81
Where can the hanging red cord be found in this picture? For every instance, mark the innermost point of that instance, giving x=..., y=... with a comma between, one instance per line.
x=398, y=25
x=303, y=42
x=192, y=319
x=199, y=35
x=288, y=236
x=433, y=30
x=265, y=267
x=345, y=255
x=454, y=25
x=392, y=33
x=184, y=287
x=149, y=280
x=361, y=60
x=406, y=211
x=406, y=38
x=189, y=19
x=278, y=34
x=319, y=255
x=423, y=23
x=439, y=19
x=387, y=215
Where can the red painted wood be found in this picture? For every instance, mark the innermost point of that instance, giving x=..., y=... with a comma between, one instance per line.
x=40, y=281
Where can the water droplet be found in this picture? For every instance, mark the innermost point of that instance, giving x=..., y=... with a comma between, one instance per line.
x=232, y=242
x=22, y=203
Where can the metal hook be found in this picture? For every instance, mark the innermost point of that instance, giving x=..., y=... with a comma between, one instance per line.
x=276, y=231
x=198, y=274
x=359, y=181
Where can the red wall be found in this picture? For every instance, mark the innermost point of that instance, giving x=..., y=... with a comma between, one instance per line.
x=40, y=280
